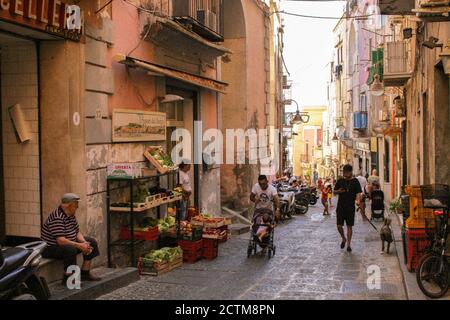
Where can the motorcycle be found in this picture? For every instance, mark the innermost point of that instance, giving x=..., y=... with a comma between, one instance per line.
x=313, y=197
x=301, y=202
x=287, y=201
x=18, y=273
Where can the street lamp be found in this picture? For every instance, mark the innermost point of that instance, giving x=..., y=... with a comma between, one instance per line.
x=376, y=88
x=299, y=117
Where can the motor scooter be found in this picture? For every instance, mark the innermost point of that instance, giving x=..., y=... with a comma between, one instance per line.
x=18, y=273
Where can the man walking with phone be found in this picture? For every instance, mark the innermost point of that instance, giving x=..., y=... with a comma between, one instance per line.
x=348, y=189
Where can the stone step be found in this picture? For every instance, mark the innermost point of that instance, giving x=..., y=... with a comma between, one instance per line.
x=236, y=216
x=52, y=270
x=239, y=228
x=112, y=279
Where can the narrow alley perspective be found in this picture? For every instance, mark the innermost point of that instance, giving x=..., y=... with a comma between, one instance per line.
x=308, y=264
x=224, y=150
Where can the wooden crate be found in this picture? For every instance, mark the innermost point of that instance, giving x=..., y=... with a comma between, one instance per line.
x=176, y=263
x=214, y=225
x=152, y=269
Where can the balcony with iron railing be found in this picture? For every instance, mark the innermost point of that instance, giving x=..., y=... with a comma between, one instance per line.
x=432, y=10
x=204, y=17
x=360, y=120
x=397, y=63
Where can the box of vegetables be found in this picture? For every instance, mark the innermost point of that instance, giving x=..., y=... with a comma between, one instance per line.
x=159, y=159
x=160, y=261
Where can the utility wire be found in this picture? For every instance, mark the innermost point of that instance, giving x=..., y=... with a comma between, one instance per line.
x=107, y=4
x=322, y=17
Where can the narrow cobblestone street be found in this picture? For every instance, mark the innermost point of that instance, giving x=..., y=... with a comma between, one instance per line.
x=308, y=264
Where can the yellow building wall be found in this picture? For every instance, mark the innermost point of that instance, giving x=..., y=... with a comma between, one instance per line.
x=316, y=119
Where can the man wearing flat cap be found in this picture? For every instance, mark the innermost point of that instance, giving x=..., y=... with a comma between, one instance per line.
x=65, y=241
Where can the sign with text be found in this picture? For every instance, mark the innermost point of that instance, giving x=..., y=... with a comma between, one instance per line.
x=51, y=16
x=137, y=125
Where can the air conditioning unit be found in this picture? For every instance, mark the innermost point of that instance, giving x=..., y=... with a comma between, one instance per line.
x=208, y=19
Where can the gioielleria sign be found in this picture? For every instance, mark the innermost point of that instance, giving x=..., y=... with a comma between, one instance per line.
x=51, y=16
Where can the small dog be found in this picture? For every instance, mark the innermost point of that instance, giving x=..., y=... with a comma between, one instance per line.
x=386, y=235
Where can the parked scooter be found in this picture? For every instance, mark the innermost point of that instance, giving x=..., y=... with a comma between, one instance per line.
x=301, y=201
x=287, y=201
x=314, y=196
x=18, y=273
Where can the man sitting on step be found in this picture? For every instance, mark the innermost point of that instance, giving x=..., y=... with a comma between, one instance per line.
x=65, y=241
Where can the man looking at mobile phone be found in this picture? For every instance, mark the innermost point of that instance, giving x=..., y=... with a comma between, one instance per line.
x=348, y=189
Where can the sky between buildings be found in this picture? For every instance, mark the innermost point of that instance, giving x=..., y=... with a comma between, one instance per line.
x=309, y=45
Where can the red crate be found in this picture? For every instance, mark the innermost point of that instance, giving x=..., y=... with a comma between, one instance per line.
x=418, y=242
x=210, y=253
x=190, y=245
x=210, y=243
x=192, y=256
x=192, y=250
x=150, y=235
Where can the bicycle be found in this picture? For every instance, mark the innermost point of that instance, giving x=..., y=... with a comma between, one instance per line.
x=433, y=270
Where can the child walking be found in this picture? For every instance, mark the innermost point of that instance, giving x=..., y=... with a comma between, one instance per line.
x=324, y=199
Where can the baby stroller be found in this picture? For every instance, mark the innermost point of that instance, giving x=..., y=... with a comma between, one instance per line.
x=377, y=205
x=267, y=241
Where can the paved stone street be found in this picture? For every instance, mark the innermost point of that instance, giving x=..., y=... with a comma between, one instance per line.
x=308, y=264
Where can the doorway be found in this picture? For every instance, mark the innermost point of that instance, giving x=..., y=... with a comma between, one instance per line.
x=183, y=114
x=20, y=200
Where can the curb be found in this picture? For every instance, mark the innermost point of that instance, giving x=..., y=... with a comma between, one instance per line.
x=410, y=286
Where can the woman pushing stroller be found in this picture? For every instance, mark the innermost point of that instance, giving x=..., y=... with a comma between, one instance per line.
x=264, y=196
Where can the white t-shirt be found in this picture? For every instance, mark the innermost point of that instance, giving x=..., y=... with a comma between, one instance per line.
x=185, y=182
x=265, y=196
x=362, y=182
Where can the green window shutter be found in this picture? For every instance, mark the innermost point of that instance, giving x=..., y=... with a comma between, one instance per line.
x=374, y=57
x=371, y=75
x=381, y=55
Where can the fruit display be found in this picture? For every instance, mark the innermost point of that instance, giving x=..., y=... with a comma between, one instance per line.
x=159, y=159
x=190, y=232
x=211, y=233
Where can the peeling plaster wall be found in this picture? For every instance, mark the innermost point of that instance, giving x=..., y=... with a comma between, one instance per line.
x=428, y=127
x=245, y=105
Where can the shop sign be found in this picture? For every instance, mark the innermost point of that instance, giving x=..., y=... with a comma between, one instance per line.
x=363, y=146
x=374, y=144
x=51, y=16
x=136, y=125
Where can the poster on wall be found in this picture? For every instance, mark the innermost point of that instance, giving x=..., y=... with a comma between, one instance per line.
x=130, y=125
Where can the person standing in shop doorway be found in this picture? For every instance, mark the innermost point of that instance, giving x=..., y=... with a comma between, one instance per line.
x=185, y=184
x=348, y=189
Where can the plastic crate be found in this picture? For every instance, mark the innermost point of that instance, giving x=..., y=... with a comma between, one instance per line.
x=210, y=243
x=210, y=248
x=418, y=243
x=436, y=196
x=150, y=235
x=197, y=234
x=418, y=216
x=192, y=250
x=210, y=254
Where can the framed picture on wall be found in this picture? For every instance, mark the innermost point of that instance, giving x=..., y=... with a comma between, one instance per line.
x=129, y=125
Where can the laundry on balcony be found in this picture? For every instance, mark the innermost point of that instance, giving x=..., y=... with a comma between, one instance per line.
x=197, y=80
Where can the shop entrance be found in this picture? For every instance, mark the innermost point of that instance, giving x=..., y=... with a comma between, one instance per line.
x=182, y=114
x=20, y=214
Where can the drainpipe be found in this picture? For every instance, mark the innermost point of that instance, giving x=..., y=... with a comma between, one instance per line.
x=393, y=159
